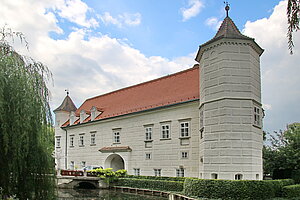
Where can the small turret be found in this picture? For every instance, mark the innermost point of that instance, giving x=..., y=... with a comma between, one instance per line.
x=62, y=114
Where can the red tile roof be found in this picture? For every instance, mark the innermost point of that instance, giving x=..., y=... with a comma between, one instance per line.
x=175, y=88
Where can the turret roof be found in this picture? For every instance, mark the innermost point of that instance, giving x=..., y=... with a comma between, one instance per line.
x=66, y=105
x=229, y=30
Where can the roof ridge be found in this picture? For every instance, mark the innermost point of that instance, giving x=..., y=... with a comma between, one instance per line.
x=143, y=83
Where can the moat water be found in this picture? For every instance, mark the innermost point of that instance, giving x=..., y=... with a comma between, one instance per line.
x=97, y=194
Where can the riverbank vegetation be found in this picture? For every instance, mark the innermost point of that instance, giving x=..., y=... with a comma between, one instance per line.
x=213, y=189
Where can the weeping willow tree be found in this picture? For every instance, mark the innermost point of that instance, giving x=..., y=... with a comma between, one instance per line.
x=293, y=15
x=26, y=164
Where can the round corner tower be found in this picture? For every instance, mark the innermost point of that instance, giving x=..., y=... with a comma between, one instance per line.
x=62, y=115
x=231, y=136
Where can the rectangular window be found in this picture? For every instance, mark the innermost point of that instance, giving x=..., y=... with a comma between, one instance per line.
x=148, y=133
x=93, y=138
x=184, y=155
x=83, y=163
x=81, y=140
x=116, y=135
x=136, y=171
x=148, y=156
x=257, y=117
x=57, y=142
x=184, y=129
x=157, y=172
x=72, y=165
x=165, y=131
x=201, y=118
x=180, y=172
x=71, y=141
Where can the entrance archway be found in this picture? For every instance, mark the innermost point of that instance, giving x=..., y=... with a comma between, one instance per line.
x=114, y=161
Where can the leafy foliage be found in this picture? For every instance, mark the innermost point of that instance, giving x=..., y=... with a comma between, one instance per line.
x=165, y=178
x=227, y=189
x=284, y=151
x=108, y=174
x=293, y=15
x=26, y=138
x=291, y=191
x=160, y=185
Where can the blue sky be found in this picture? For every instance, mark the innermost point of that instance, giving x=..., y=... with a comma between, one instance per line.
x=93, y=47
x=162, y=30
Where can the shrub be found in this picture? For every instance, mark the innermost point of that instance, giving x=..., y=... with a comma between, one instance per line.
x=291, y=191
x=296, y=176
x=107, y=174
x=165, y=178
x=160, y=185
x=277, y=185
x=227, y=189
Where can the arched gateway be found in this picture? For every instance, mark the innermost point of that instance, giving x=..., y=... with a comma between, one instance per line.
x=114, y=161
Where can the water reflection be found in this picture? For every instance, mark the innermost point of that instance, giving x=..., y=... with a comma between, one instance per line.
x=96, y=194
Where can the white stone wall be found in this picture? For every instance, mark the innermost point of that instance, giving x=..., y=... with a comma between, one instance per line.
x=60, y=118
x=165, y=154
x=230, y=88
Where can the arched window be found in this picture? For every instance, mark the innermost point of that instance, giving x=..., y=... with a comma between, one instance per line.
x=238, y=177
x=214, y=176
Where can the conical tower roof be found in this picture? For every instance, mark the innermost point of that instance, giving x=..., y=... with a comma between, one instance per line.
x=229, y=30
x=66, y=105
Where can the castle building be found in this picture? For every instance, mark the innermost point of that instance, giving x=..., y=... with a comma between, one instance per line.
x=205, y=121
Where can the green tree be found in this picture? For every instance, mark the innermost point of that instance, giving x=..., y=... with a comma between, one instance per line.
x=293, y=15
x=26, y=164
x=283, y=153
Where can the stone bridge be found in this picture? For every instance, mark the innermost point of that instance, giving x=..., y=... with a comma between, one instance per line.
x=69, y=179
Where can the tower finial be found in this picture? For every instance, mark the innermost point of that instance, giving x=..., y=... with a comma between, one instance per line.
x=227, y=8
x=67, y=90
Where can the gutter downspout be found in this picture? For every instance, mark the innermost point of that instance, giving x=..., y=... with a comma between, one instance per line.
x=66, y=150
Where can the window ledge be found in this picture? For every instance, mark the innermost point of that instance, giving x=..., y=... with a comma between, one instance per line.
x=186, y=137
x=165, y=138
x=58, y=147
x=92, y=144
x=256, y=126
x=116, y=142
x=148, y=141
x=72, y=146
x=81, y=145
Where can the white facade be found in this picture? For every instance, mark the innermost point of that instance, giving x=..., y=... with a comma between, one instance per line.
x=231, y=143
x=218, y=136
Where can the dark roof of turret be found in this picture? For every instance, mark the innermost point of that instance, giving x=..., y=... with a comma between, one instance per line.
x=228, y=30
x=66, y=105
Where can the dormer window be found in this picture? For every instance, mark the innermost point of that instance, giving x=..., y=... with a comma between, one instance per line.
x=83, y=115
x=72, y=118
x=94, y=113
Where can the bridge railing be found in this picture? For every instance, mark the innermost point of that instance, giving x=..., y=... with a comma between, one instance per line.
x=71, y=173
x=76, y=173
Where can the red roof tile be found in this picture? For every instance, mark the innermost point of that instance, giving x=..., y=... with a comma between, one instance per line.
x=175, y=88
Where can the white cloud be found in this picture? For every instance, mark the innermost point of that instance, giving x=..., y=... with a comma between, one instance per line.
x=108, y=19
x=267, y=106
x=129, y=19
x=132, y=19
x=213, y=22
x=194, y=8
x=280, y=70
x=86, y=65
x=76, y=11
